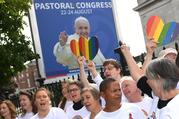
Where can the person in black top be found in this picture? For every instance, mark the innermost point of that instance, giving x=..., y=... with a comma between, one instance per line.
x=138, y=74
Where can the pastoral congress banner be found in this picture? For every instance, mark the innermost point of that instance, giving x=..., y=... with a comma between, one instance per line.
x=61, y=23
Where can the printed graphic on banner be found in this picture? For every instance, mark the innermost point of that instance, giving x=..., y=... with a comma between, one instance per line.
x=70, y=28
x=87, y=48
x=161, y=32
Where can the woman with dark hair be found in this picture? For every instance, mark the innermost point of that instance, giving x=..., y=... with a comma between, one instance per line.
x=77, y=110
x=66, y=100
x=28, y=109
x=7, y=110
x=44, y=109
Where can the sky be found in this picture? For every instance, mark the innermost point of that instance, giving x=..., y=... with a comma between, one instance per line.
x=129, y=25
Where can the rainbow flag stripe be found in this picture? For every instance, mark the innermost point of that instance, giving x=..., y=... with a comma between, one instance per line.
x=176, y=32
x=75, y=47
x=160, y=32
x=83, y=44
x=154, y=27
x=89, y=48
x=93, y=47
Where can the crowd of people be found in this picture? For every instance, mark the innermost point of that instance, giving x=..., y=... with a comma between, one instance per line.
x=150, y=92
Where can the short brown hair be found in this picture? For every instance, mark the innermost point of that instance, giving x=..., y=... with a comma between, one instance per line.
x=74, y=82
x=113, y=62
x=30, y=97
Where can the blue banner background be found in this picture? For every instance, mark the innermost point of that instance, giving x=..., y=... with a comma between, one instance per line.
x=52, y=21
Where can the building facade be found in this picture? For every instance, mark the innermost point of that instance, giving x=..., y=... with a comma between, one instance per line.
x=166, y=9
x=27, y=78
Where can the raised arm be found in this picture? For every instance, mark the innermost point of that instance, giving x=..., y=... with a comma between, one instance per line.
x=134, y=69
x=150, y=46
x=83, y=77
x=96, y=77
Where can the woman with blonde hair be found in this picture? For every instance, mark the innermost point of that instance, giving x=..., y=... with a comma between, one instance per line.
x=91, y=100
x=7, y=110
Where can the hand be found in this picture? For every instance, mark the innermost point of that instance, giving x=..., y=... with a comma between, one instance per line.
x=80, y=60
x=63, y=38
x=124, y=48
x=91, y=65
x=151, y=45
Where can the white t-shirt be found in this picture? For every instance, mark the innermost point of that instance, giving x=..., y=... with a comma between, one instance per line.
x=27, y=115
x=67, y=104
x=145, y=104
x=77, y=114
x=98, y=79
x=171, y=110
x=87, y=116
x=153, y=113
x=64, y=55
x=54, y=113
x=126, y=111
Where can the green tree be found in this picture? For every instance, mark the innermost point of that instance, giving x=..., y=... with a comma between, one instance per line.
x=15, y=50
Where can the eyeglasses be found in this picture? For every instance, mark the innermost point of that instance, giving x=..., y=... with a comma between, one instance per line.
x=73, y=90
x=108, y=68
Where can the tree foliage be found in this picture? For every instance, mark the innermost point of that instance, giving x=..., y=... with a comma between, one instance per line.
x=15, y=50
